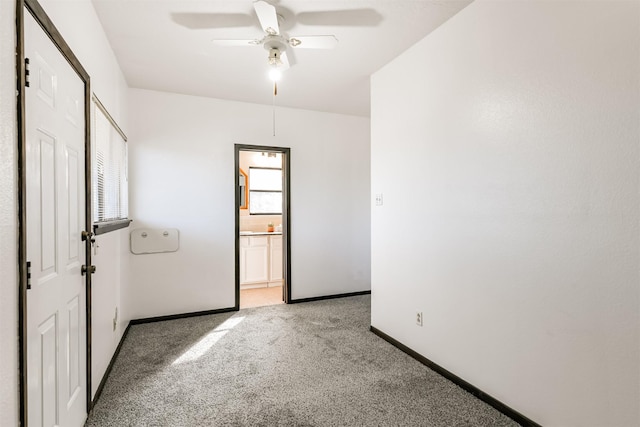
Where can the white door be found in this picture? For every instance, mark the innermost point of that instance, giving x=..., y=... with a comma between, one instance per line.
x=56, y=317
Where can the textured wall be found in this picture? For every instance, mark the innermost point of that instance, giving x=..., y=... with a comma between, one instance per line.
x=8, y=220
x=182, y=176
x=506, y=146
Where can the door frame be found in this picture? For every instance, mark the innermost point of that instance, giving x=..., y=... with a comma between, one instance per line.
x=286, y=215
x=38, y=13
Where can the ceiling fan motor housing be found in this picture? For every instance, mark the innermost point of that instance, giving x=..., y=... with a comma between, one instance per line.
x=272, y=42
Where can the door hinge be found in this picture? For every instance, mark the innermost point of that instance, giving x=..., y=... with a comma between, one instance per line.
x=26, y=72
x=28, y=274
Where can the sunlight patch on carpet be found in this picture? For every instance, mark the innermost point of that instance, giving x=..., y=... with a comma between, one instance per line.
x=197, y=350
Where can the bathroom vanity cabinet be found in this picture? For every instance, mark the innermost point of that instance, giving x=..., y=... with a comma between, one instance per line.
x=260, y=260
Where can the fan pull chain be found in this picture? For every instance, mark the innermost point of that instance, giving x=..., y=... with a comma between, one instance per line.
x=275, y=92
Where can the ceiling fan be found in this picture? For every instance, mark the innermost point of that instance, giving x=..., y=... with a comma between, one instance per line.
x=275, y=42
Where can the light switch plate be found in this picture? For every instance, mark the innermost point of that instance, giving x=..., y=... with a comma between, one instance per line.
x=379, y=199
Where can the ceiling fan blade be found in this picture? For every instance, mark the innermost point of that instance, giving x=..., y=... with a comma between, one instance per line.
x=313, y=42
x=285, y=61
x=267, y=16
x=224, y=42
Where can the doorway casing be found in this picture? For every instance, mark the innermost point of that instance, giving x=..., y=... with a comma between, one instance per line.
x=286, y=216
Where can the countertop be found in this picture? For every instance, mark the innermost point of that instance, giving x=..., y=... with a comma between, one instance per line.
x=260, y=233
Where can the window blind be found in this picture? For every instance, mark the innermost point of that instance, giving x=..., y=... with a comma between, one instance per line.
x=110, y=181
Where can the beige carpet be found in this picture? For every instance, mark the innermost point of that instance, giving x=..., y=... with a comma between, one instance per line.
x=260, y=297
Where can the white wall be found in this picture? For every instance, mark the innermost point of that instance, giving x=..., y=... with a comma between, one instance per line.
x=182, y=176
x=79, y=25
x=506, y=146
x=109, y=292
x=8, y=219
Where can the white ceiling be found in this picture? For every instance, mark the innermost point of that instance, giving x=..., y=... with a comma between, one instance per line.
x=166, y=45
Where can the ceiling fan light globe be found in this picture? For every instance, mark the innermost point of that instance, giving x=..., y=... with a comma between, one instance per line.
x=274, y=74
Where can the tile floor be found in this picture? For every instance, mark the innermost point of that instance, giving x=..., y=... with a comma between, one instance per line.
x=260, y=297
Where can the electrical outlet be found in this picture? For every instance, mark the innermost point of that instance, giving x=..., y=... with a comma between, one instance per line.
x=115, y=319
x=419, y=318
x=379, y=200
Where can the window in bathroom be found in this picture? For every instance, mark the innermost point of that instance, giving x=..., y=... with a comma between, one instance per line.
x=265, y=191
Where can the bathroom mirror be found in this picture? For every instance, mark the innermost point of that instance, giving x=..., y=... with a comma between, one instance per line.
x=244, y=194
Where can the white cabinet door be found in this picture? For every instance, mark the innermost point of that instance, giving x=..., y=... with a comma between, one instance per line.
x=244, y=244
x=276, y=259
x=254, y=259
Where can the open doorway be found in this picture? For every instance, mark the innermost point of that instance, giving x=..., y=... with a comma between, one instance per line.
x=262, y=226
